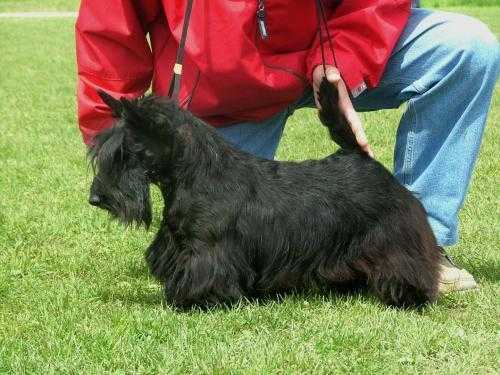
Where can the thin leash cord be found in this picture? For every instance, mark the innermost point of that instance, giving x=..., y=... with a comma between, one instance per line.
x=322, y=23
x=320, y=34
x=175, y=83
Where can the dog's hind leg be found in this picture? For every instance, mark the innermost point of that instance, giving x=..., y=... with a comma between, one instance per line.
x=402, y=274
x=336, y=274
x=401, y=291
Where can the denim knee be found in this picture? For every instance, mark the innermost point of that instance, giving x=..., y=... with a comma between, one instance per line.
x=477, y=48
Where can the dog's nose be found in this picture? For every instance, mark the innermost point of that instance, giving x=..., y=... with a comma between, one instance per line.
x=95, y=200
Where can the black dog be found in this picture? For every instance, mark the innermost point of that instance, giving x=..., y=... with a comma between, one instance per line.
x=238, y=226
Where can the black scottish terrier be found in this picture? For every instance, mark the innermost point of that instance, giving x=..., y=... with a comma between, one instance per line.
x=236, y=226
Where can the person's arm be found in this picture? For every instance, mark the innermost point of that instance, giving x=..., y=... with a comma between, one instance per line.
x=363, y=34
x=112, y=55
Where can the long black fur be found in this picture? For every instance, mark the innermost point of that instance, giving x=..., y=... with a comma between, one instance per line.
x=236, y=226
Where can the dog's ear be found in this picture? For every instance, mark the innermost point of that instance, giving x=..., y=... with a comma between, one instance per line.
x=134, y=115
x=114, y=104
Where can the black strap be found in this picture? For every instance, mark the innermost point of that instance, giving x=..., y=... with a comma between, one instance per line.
x=322, y=24
x=175, y=83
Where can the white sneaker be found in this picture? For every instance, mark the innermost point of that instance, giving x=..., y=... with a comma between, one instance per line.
x=452, y=278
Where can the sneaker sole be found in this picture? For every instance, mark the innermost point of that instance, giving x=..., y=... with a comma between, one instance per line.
x=459, y=286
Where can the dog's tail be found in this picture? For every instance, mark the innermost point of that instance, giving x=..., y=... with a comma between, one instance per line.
x=330, y=115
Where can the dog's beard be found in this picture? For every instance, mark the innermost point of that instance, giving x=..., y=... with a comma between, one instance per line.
x=127, y=200
x=132, y=211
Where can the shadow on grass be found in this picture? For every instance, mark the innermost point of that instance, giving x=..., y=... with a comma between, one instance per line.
x=134, y=286
x=138, y=270
x=488, y=270
x=127, y=296
x=142, y=289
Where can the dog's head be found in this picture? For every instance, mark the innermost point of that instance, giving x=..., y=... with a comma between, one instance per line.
x=129, y=156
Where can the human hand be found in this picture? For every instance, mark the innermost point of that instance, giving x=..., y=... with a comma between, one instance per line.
x=345, y=104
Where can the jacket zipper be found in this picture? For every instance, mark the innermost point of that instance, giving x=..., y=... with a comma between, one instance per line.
x=261, y=19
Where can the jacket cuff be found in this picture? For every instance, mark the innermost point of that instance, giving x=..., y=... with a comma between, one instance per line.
x=352, y=77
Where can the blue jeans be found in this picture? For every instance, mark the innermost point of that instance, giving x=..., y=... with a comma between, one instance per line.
x=444, y=67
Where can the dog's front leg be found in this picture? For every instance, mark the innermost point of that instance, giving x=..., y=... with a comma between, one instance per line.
x=206, y=275
x=162, y=253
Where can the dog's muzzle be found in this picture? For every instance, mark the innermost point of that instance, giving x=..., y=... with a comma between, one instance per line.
x=95, y=200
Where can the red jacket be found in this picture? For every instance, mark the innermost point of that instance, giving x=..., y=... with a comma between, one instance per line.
x=231, y=74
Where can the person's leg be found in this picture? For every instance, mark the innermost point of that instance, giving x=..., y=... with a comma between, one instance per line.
x=260, y=139
x=445, y=67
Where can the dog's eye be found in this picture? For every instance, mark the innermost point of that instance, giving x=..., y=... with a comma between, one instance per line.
x=150, y=174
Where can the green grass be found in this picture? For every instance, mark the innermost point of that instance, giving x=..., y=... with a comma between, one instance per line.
x=75, y=296
x=37, y=5
x=455, y=3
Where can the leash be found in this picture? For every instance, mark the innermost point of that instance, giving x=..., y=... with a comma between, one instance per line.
x=175, y=83
x=322, y=24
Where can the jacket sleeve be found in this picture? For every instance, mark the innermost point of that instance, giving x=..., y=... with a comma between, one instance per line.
x=112, y=55
x=364, y=33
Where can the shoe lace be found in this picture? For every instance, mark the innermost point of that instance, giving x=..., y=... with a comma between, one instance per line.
x=447, y=257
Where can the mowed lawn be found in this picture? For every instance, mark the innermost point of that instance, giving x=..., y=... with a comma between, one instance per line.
x=76, y=297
